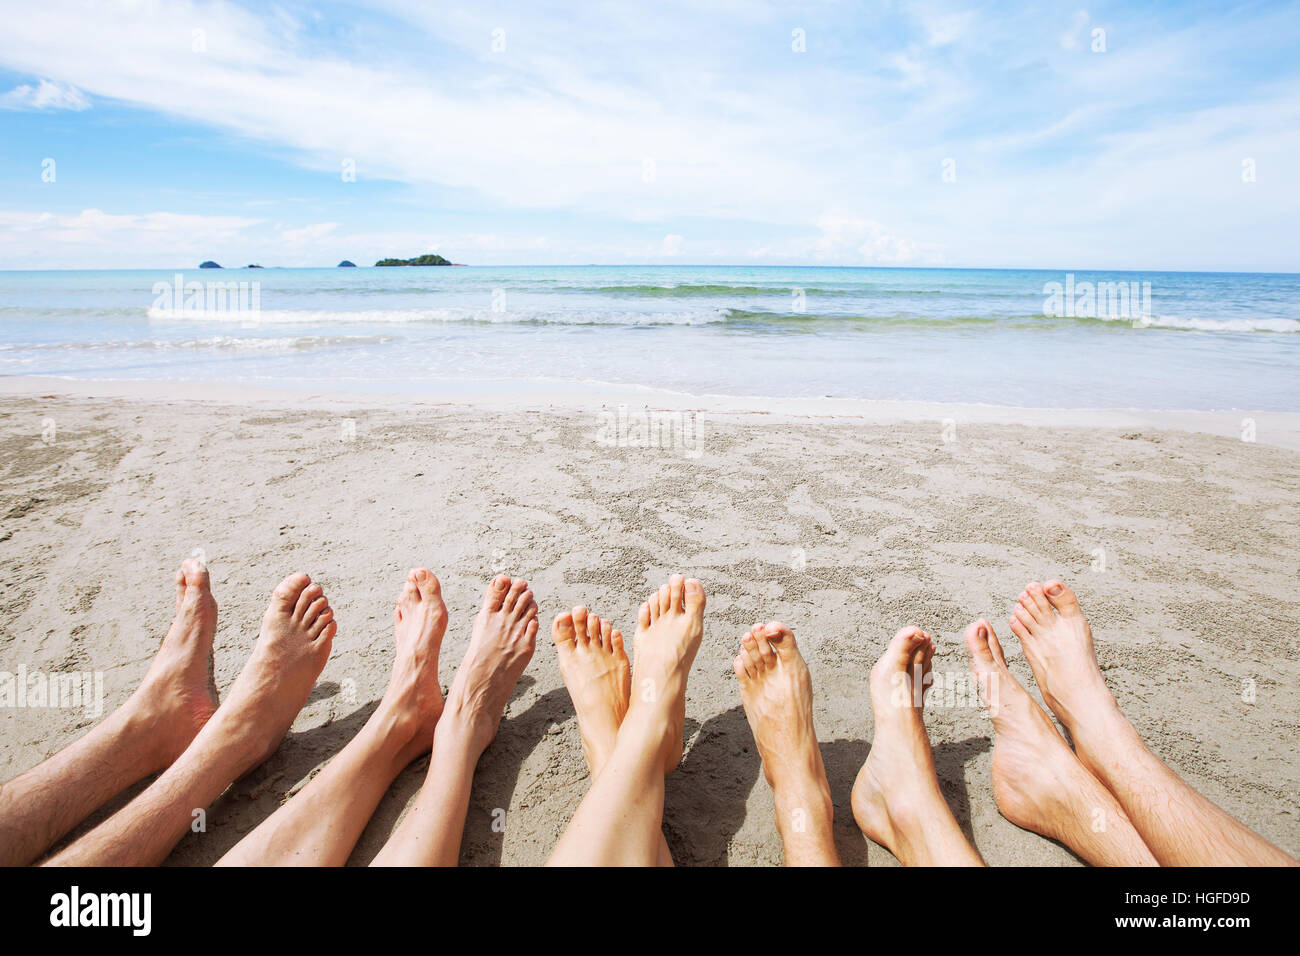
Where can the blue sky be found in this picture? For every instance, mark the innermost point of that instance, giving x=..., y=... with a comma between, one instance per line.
x=1113, y=136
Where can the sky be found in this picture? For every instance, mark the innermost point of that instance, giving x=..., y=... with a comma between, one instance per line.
x=151, y=134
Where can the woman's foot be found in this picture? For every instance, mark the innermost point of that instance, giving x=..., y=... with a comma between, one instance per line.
x=598, y=675
x=776, y=689
x=413, y=701
x=896, y=798
x=670, y=625
x=505, y=633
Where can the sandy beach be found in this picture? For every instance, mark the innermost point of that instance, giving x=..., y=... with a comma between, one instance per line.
x=1182, y=540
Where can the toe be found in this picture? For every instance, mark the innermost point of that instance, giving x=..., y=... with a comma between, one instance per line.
x=562, y=630
x=593, y=630
x=287, y=591
x=580, y=624
x=496, y=593
x=754, y=656
x=428, y=583
x=781, y=638
x=309, y=594
x=676, y=593
x=316, y=626
x=517, y=588
x=904, y=643
x=410, y=592
x=607, y=635
x=616, y=642
x=1063, y=599
x=194, y=574
x=643, y=615
x=1025, y=613
x=977, y=642
x=1038, y=601
x=738, y=666
x=764, y=648
x=665, y=599
x=1018, y=628
x=694, y=595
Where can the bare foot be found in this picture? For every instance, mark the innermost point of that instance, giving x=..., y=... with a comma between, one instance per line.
x=413, y=701
x=298, y=630
x=597, y=673
x=505, y=633
x=1058, y=646
x=178, y=694
x=669, y=628
x=776, y=689
x=1038, y=782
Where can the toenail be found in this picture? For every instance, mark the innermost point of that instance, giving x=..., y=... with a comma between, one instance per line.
x=1054, y=590
x=984, y=632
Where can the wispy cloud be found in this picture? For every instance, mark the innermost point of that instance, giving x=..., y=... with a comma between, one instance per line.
x=45, y=95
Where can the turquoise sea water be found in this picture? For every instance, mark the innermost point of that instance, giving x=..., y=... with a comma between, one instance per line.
x=1186, y=341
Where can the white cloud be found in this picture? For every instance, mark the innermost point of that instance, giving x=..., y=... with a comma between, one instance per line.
x=44, y=96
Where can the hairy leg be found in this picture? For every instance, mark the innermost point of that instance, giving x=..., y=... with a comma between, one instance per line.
x=140, y=738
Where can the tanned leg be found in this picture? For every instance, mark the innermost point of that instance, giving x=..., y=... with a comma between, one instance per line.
x=140, y=738
x=1181, y=827
x=619, y=822
x=505, y=633
x=896, y=798
x=321, y=824
x=776, y=689
x=598, y=675
x=297, y=631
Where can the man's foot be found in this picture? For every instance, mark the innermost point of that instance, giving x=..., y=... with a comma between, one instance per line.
x=898, y=784
x=413, y=701
x=1058, y=646
x=776, y=689
x=670, y=625
x=597, y=673
x=1038, y=782
x=178, y=694
x=505, y=633
x=298, y=630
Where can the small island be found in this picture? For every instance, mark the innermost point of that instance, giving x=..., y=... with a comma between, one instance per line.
x=427, y=260
x=209, y=264
x=253, y=266
x=346, y=264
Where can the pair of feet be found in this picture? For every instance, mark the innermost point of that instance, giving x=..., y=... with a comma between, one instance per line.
x=599, y=676
x=178, y=696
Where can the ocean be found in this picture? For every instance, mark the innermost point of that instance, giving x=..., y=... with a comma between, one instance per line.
x=1030, y=338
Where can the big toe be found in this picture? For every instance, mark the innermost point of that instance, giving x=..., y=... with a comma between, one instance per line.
x=977, y=642
x=562, y=629
x=496, y=592
x=427, y=583
x=694, y=596
x=1063, y=599
x=286, y=593
x=195, y=574
x=781, y=639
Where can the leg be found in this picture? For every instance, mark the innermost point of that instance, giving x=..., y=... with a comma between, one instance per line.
x=596, y=671
x=1180, y=826
x=1038, y=782
x=297, y=631
x=140, y=738
x=321, y=825
x=776, y=689
x=619, y=821
x=504, y=635
x=896, y=798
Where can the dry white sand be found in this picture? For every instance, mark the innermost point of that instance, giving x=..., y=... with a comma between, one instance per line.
x=1184, y=548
